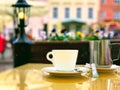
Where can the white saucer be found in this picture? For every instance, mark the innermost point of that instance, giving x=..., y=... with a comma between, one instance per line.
x=108, y=69
x=53, y=71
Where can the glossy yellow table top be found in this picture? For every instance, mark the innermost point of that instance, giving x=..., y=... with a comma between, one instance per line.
x=31, y=77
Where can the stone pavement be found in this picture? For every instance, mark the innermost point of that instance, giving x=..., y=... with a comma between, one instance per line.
x=7, y=62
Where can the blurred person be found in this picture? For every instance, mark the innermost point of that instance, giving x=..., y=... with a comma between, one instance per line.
x=42, y=34
x=72, y=33
x=6, y=34
x=14, y=37
x=29, y=35
x=53, y=32
x=64, y=30
x=111, y=35
x=116, y=35
x=2, y=45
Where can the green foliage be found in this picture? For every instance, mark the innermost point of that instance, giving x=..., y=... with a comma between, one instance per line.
x=94, y=37
x=77, y=38
x=63, y=38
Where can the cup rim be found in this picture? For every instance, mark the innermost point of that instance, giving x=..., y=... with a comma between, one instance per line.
x=65, y=50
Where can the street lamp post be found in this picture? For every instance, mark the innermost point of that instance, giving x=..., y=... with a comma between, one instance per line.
x=21, y=19
x=22, y=45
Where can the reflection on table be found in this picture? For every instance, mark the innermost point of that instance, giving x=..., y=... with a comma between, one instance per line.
x=31, y=77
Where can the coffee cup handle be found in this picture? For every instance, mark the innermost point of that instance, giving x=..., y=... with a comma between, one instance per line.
x=48, y=56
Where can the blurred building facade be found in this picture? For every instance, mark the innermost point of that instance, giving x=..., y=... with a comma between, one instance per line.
x=65, y=10
x=109, y=13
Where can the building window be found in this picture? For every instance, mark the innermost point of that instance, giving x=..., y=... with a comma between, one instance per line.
x=117, y=1
x=67, y=13
x=55, y=12
x=102, y=1
x=102, y=15
x=90, y=13
x=117, y=15
x=78, y=12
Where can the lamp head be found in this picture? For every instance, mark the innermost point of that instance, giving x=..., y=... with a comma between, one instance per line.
x=21, y=3
x=21, y=11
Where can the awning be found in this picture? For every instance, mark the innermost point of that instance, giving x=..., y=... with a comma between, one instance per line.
x=114, y=27
x=73, y=21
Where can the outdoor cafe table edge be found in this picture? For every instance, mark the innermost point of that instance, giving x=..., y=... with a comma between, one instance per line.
x=30, y=77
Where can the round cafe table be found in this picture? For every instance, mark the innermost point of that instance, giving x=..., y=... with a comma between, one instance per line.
x=31, y=77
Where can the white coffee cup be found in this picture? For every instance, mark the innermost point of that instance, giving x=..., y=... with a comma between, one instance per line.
x=63, y=60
